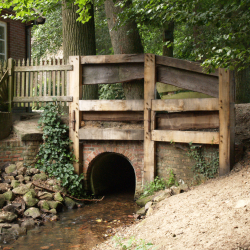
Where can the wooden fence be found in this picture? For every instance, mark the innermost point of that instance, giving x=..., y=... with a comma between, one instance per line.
x=176, y=120
x=32, y=82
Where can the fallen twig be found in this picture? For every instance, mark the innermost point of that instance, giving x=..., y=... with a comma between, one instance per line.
x=51, y=190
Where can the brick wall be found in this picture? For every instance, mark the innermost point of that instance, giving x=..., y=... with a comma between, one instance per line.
x=22, y=151
x=16, y=38
x=132, y=150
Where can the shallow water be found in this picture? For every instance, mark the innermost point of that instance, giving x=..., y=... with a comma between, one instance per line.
x=80, y=228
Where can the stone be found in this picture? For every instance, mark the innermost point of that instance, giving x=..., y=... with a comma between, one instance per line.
x=5, y=225
x=21, y=190
x=2, y=200
x=19, y=165
x=69, y=203
x=175, y=190
x=32, y=212
x=148, y=205
x=51, y=182
x=4, y=187
x=58, y=197
x=17, y=230
x=29, y=199
x=141, y=211
x=55, y=205
x=15, y=184
x=58, y=188
x=14, y=173
x=7, y=216
x=142, y=202
x=43, y=204
x=20, y=178
x=39, y=177
x=7, y=181
x=45, y=196
x=17, y=205
x=54, y=218
x=183, y=188
x=9, y=177
x=11, y=168
x=27, y=178
x=10, y=208
x=34, y=171
x=149, y=212
x=21, y=171
x=162, y=195
x=9, y=196
x=53, y=211
x=30, y=185
x=28, y=224
x=28, y=173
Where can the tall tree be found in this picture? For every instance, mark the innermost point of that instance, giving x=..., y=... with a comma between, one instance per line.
x=125, y=40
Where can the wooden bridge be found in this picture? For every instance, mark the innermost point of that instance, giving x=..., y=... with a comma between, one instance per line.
x=173, y=120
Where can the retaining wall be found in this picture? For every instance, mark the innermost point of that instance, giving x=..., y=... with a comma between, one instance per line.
x=5, y=124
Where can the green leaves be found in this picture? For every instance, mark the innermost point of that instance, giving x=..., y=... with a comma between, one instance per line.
x=54, y=156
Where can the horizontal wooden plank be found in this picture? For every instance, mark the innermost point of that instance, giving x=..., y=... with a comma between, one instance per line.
x=182, y=64
x=185, y=95
x=112, y=73
x=188, y=120
x=42, y=68
x=44, y=99
x=198, y=104
x=186, y=136
x=111, y=105
x=122, y=58
x=112, y=116
x=206, y=84
x=111, y=134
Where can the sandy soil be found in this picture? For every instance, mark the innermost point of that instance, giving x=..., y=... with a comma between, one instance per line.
x=214, y=215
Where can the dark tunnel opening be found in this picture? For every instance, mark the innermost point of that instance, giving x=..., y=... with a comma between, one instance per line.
x=112, y=173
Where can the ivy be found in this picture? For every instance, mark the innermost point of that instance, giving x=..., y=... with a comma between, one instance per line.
x=54, y=156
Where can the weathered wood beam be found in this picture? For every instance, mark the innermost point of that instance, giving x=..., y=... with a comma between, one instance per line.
x=122, y=58
x=112, y=116
x=188, y=120
x=182, y=64
x=111, y=105
x=149, y=92
x=110, y=134
x=199, y=104
x=42, y=68
x=227, y=120
x=206, y=84
x=43, y=99
x=112, y=73
x=186, y=136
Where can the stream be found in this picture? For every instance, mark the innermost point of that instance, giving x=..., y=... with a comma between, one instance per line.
x=81, y=228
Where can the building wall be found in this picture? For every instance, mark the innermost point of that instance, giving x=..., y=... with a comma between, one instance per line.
x=16, y=38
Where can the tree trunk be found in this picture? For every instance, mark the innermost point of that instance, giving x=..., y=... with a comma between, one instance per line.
x=79, y=39
x=125, y=40
x=242, y=82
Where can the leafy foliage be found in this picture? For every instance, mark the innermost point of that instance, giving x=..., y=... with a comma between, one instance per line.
x=54, y=156
x=209, y=169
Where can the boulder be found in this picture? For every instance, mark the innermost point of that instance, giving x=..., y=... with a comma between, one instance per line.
x=20, y=178
x=7, y=216
x=45, y=196
x=10, y=208
x=142, y=202
x=58, y=197
x=27, y=178
x=9, y=196
x=30, y=185
x=32, y=212
x=21, y=171
x=9, y=177
x=148, y=205
x=19, y=165
x=43, y=204
x=141, y=211
x=34, y=171
x=55, y=205
x=17, y=230
x=28, y=224
x=69, y=203
x=149, y=212
x=15, y=183
x=2, y=200
x=39, y=177
x=21, y=190
x=11, y=168
x=29, y=198
x=4, y=187
x=162, y=195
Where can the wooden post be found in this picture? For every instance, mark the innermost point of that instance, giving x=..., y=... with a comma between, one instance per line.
x=149, y=90
x=227, y=120
x=75, y=90
x=10, y=83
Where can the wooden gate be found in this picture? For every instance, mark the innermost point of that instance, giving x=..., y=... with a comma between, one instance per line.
x=182, y=120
